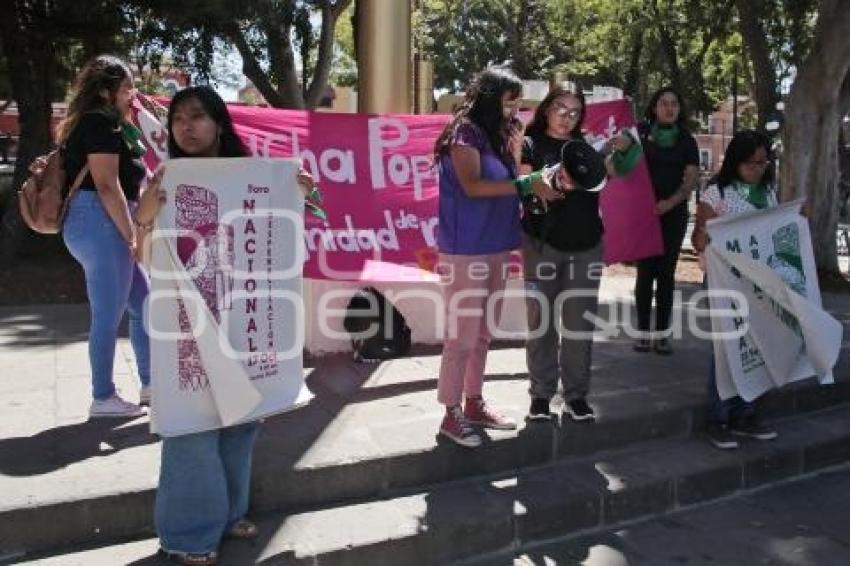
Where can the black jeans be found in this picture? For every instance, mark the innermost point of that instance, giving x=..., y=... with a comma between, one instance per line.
x=661, y=269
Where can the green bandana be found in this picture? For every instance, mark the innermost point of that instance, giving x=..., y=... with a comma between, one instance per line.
x=316, y=210
x=312, y=203
x=664, y=136
x=756, y=194
x=625, y=161
x=525, y=182
x=133, y=138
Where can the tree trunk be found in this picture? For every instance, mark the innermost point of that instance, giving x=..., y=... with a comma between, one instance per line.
x=810, y=161
x=844, y=152
x=282, y=65
x=31, y=72
x=750, y=14
x=668, y=48
x=630, y=85
x=287, y=92
x=510, y=22
x=697, y=93
x=324, y=60
x=844, y=98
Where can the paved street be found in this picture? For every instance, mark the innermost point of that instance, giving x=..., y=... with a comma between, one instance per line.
x=803, y=523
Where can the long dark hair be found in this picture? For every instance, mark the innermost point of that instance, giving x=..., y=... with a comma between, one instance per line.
x=540, y=123
x=482, y=105
x=104, y=72
x=742, y=147
x=229, y=143
x=649, y=114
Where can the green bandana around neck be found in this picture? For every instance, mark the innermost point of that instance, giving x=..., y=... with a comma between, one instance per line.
x=755, y=194
x=664, y=136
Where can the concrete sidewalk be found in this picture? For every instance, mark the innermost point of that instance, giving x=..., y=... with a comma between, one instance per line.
x=369, y=433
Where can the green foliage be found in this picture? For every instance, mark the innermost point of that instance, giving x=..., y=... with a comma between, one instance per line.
x=280, y=41
x=463, y=39
x=344, y=67
x=636, y=45
x=789, y=26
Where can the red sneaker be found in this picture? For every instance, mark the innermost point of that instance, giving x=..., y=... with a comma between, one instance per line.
x=478, y=413
x=455, y=427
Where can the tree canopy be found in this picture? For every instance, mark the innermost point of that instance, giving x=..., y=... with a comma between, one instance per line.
x=291, y=49
x=636, y=45
x=283, y=54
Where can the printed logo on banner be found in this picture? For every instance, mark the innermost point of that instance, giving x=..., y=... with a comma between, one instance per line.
x=203, y=247
x=787, y=261
x=190, y=370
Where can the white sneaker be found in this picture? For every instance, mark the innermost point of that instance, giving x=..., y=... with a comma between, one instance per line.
x=115, y=406
x=145, y=396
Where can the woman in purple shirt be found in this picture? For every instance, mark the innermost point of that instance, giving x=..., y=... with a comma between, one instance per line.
x=479, y=226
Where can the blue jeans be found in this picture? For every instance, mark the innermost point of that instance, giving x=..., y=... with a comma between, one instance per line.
x=115, y=283
x=204, y=487
x=730, y=410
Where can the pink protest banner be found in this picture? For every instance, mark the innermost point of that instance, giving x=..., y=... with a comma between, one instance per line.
x=380, y=189
x=632, y=230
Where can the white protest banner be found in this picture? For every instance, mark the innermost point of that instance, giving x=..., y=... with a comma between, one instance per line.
x=779, y=332
x=225, y=314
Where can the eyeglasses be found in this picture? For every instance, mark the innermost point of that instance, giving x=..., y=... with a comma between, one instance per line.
x=571, y=113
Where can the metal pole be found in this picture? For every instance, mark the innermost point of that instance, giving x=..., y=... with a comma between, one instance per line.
x=734, y=99
x=424, y=87
x=384, y=56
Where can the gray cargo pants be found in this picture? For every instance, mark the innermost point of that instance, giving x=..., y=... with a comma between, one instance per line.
x=550, y=355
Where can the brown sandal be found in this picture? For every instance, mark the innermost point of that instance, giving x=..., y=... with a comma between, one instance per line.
x=243, y=529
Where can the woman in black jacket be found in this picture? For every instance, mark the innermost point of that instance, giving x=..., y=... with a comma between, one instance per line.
x=562, y=256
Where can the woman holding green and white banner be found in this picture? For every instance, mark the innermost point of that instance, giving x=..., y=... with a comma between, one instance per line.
x=744, y=184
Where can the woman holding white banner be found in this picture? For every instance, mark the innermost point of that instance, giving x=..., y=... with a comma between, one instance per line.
x=479, y=227
x=204, y=483
x=744, y=184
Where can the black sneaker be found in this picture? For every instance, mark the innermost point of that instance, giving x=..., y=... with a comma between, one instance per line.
x=662, y=346
x=751, y=427
x=641, y=345
x=539, y=410
x=579, y=410
x=719, y=435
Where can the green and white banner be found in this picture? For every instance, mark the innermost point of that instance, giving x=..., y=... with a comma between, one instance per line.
x=768, y=323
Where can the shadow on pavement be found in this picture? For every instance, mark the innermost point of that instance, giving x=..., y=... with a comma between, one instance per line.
x=58, y=447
